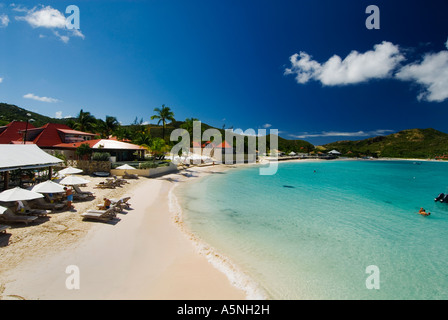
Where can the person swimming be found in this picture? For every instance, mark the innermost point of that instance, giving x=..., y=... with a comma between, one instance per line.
x=423, y=212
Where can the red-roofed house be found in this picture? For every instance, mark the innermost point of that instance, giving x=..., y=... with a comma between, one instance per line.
x=52, y=134
x=55, y=137
x=12, y=131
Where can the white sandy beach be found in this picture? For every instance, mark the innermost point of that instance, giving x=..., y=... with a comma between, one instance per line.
x=143, y=255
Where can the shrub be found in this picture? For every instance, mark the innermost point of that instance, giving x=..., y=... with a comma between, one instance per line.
x=101, y=156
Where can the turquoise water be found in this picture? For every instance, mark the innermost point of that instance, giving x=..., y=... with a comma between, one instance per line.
x=302, y=234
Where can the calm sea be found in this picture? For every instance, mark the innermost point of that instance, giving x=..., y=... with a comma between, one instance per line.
x=311, y=230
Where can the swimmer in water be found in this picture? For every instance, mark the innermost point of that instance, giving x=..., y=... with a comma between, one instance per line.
x=423, y=212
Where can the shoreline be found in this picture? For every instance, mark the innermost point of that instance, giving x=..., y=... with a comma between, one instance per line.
x=237, y=277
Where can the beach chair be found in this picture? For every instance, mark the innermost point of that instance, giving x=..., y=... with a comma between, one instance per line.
x=103, y=215
x=121, y=203
x=9, y=217
x=4, y=228
x=79, y=191
x=77, y=196
x=120, y=180
x=40, y=203
x=106, y=185
x=127, y=175
x=33, y=211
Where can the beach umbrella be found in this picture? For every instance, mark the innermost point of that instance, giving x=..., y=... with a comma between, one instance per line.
x=18, y=194
x=126, y=167
x=2, y=210
x=48, y=187
x=73, y=180
x=70, y=170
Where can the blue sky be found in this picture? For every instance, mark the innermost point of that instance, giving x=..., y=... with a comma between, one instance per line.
x=310, y=69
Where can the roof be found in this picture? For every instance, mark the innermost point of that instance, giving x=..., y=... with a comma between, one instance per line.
x=11, y=132
x=52, y=134
x=105, y=144
x=71, y=131
x=24, y=156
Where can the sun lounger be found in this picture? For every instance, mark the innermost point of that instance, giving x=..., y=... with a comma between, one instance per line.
x=4, y=228
x=42, y=204
x=121, y=203
x=77, y=196
x=129, y=176
x=79, y=191
x=106, y=185
x=103, y=215
x=33, y=211
x=10, y=217
x=120, y=180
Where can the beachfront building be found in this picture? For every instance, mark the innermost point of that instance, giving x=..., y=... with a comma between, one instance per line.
x=52, y=134
x=118, y=150
x=334, y=153
x=59, y=138
x=12, y=132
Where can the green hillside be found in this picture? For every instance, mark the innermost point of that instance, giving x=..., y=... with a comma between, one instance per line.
x=10, y=112
x=412, y=143
x=285, y=145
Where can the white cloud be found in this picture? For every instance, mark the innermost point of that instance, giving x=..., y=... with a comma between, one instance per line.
x=63, y=38
x=77, y=33
x=355, y=68
x=58, y=115
x=267, y=125
x=45, y=17
x=431, y=73
x=306, y=135
x=41, y=99
x=18, y=7
x=4, y=20
x=1, y=80
x=49, y=18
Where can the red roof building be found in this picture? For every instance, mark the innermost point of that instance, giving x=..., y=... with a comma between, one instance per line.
x=12, y=131
x=53, y=134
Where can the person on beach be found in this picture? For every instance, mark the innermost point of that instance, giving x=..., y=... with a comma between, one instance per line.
x=69, y=195
x=20, y=208
x=106, y=204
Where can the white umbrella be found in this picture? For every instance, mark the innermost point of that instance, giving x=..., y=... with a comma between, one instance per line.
x=2, y=209
x=126, y=167
x=18, y=194
x=48, y=187
x=73, y=180
x=70, y=170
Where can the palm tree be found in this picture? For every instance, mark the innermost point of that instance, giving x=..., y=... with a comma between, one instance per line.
x=85, y=121
x=158, y=148
x=163, y=115
x=108, y=127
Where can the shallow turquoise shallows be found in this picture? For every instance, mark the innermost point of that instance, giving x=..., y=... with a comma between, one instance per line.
x=311, y=230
